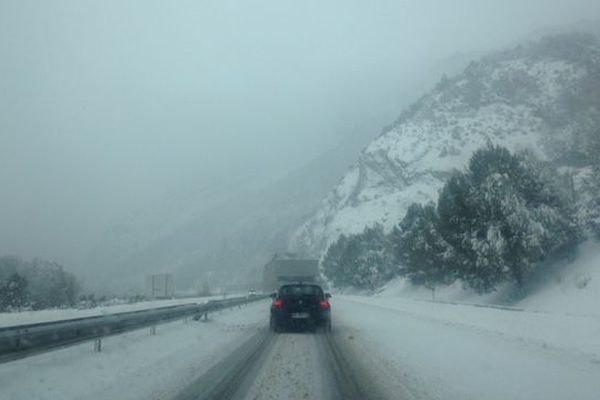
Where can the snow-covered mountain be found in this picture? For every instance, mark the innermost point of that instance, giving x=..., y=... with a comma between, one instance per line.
x=221, y=231
x=227, y=229
x=541, y=96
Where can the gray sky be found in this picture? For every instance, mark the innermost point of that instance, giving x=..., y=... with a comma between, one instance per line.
x=107, y=105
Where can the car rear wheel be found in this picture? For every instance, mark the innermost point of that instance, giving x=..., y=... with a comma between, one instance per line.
x=274, y=326
x=324, y=327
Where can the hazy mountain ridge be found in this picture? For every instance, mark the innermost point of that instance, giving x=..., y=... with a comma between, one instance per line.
x=233, y=227
x=223, y=232
x=539, y=96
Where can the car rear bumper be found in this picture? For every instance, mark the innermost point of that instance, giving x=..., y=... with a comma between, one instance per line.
x=296, y=319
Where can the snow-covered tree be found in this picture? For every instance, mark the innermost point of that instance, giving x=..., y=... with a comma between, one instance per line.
x=426, y=258
x=47, y=283
x=494, y=222
x=503, y=215
x=332, y=262
x=363, y=260
x=590, y=209
x=13, y=292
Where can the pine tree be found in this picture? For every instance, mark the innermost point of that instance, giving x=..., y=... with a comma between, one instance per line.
x=332, y=264
x=426, y=258
x=362, y=260
x=13, y=292
x=503, y=215
x=591, y=186
x=456, y=217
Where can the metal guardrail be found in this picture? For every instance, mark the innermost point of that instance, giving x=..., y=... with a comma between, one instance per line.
x=26, y=340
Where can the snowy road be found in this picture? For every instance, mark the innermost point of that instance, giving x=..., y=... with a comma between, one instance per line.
x=380, y=348
x=403, y=349
x=282, y=366
x=296, y=368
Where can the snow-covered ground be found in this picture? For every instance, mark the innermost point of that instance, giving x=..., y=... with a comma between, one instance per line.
x=407, y=348
x=31, y=317
x=135, y=365
x=573, y=287
x=424, y=350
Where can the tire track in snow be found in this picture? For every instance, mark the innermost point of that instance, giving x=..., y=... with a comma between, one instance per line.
x=284, y=366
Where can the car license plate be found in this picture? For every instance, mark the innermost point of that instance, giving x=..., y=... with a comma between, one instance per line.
x=300, y=315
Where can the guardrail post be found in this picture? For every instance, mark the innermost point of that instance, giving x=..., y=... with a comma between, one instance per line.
x=98, y=345
x=153, y=330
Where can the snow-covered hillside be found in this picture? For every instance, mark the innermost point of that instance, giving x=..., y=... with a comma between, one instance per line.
x=533, y=97
x=572, y=288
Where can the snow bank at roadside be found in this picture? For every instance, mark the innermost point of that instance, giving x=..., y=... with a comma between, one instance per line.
x=571, y=287
x=32, y=317
x=577, y=334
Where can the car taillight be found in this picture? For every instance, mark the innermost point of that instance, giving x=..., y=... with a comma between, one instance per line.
x=324, y=304
x=278, y=303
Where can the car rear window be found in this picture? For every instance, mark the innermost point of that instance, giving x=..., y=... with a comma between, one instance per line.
x=300, y=290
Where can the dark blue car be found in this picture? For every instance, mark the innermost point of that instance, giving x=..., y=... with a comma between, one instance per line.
x=300, y=306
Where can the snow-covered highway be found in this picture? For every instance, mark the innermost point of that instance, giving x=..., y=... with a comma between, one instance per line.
x=282, y=366
x=380, y=348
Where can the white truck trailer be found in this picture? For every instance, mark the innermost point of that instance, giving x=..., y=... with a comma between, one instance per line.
x=160, y=286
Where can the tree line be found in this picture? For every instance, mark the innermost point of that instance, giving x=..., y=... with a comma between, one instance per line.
x=494, y=222
x=36, y=284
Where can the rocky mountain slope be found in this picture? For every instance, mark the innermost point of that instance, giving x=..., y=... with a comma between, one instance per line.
x=543, y=96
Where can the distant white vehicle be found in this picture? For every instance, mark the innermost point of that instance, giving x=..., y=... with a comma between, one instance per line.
x=160, y=286
x=251, y=292
x=289, y=268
